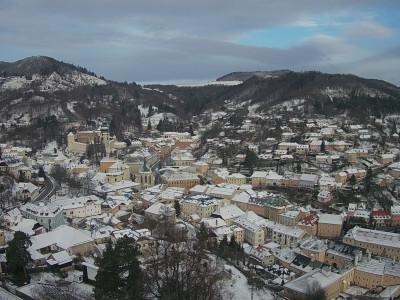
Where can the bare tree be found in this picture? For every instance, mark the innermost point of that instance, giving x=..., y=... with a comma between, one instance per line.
x=61, y=290
x=59, y=173
x=6, y=190
x=180, y=269
x=315, y=291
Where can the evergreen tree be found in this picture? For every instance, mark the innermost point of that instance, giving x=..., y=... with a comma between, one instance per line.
x=202, y=235
x=119, y=275
x=298, y=167
x=18, y=258
x=250, y=160
x=41, y=173
x=177, y=207
x=149, y=125
x=353, y=180
x=190, y=131
x=323, y=147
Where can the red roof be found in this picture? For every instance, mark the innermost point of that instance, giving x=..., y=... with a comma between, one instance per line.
x=381, y=213
x=310, y=220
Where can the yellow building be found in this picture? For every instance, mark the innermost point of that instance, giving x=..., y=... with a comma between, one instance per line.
x=180, y=179
x=201, y=167
x=386, y=244
x=236, y=178
x=329, y=226
x=107, y=162
x=201, y=205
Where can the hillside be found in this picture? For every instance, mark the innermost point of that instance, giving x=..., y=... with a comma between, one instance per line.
x=36, y=89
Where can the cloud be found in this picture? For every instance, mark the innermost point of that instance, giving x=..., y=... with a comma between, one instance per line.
x=160, y=40
x=368, y=29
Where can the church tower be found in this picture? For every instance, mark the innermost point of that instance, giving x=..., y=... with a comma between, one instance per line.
x=146, y=177
x=105, y=135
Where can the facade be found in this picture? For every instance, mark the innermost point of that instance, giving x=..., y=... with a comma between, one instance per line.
x=79, y=142
x=330, y=226
x=286, y=236
x=48, y=215
x=377, y=242
x=180, y=179
x=308, y=180
x=82, y=207
x=201, y=205
x=63, y=238
x=145, y=176
x=253, y=234
x=236, y=178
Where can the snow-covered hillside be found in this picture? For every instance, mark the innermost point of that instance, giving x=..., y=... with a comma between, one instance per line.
x=52, y=83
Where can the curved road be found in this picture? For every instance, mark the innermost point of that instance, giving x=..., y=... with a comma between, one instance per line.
x=48, y=191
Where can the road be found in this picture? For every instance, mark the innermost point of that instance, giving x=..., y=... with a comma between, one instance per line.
x=49, y=190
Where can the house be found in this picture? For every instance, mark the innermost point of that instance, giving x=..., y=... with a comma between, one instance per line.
x=200, y=205
x=81, y=207
x=63, y=238
x=287, y=236
x=161, y=212
x=236, y=178
x=228, y=213
x=387, y=158
x=145, y=243
x=48, y=215
x=309, y=224
x=395, y=213
x=308, y=180
x=27, y=191
x=259, y=178
x=381, y=218
x=324, y=197
x=260, y=255
x=329, y=226
x=253, y=234
x=331, y=283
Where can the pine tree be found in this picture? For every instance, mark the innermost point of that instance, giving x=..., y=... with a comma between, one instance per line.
x=202, y=235
x=18, y=258
x=323, y=147
x=177, y=207
x=119, y=275
x=41, y=173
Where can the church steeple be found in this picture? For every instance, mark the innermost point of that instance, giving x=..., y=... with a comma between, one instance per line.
x=145, y=168
x=105, y=127
x=146, y=177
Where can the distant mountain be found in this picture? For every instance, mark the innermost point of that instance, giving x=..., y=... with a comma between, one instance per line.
x=41, y=65
x=243, y=76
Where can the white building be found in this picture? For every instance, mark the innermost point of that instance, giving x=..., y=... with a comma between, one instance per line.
x=81, y=207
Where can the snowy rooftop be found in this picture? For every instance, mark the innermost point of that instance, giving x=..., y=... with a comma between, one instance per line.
x=374, y=236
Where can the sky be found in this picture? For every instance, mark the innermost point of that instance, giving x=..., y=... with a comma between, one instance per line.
x=172, y=41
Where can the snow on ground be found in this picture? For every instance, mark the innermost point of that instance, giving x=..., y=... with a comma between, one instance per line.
x=5, y=295
x=240, y=290
x=252, y=109
x=56, y=82
x=14, y=82
x=70, y=106
x=49, y=148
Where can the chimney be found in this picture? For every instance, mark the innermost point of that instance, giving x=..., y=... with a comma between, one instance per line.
x=356, y=260
x=312, y=257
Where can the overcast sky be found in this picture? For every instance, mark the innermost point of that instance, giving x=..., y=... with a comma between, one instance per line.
x=176, y=40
